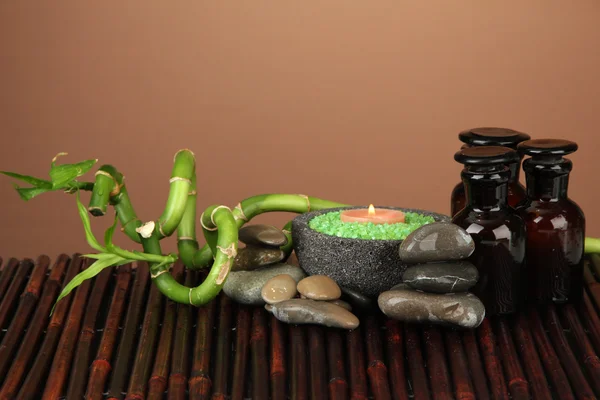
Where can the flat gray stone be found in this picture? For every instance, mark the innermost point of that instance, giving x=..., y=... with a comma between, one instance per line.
x=438, y=241
x=251, y=257
x=455, y=309
x=447, y=277
x=262, y=235
x=306, y=311
x=246, y=286
x=342, y=304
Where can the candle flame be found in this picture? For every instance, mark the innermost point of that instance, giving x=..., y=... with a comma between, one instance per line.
x=371, y=209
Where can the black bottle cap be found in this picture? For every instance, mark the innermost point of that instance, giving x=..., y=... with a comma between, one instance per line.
x=553, y=148
x=492, y=136
x=487, y=156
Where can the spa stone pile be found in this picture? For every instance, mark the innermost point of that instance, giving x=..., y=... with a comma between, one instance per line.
x=434, y=286
x=259, y=276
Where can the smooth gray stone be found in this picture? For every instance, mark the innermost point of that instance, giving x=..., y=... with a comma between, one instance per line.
x=449, y=277
x=455, y=309
x=358, y=300
x=246, y=286
x=342, y=304
x=306, y=311
x=250, y=257
x=438, y=241
x=262, y=235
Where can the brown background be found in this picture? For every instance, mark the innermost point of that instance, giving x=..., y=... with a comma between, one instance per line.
x=355, y=101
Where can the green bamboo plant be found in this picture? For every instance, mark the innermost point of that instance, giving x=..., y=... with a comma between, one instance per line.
x=219, y=223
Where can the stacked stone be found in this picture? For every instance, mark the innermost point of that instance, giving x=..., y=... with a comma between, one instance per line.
x=436, y=283
x=260, y=277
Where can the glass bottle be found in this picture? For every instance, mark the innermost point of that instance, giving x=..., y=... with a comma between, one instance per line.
x=555, y=224
x=496, y=228
x=492, y=137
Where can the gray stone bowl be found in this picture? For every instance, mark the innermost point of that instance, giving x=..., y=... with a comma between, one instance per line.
x=366, y=266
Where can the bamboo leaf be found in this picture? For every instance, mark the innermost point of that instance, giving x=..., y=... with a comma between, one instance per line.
x=85, y=219
x=29, y=193
x=36, y=182
x=62, y=175
x=104, y=261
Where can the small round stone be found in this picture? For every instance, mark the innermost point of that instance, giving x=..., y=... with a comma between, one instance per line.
x=300, y=311
x=262, y=235
x=319, y=287
x=279, y=288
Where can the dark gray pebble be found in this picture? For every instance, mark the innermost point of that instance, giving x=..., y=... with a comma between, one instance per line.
x=438, y=241
x=448, y=277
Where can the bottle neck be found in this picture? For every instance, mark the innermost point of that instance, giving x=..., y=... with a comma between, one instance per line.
x=547, y=181
x=515, y=172
x=486, y=188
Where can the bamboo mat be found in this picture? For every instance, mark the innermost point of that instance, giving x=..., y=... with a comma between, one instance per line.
x=117, y=337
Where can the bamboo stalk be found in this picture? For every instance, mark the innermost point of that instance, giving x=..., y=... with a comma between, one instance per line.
x=20, y=322
x=200, y=382
x=223, y=349
x=567, y=359
x=439, y=378
x=549, y=358
x=493, y=365
x=415, y=363
x=586, y=353
x=39, y=370
x=376, y=370
x=277, y=367
x=101, y=366
x=157, y=384
x=142, y=366
x=258, y=355
x=532, y=365
x=338, y=385
x=317, y=362
x=517, y=383
x=592, y=320
x=298, y=364
x=79, y=370
x=475, y=365
x=356, y=362
x=64, y=353
x=16, y=286
x=8, y=271
x=178, y=380
x=395, y=352
x=240, y=362
x=34, y=331
x=463, y=388
x=122, y=364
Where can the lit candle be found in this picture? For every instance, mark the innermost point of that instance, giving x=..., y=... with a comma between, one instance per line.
x=376, y=216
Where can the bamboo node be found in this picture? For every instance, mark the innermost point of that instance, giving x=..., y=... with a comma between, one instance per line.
x=182, y=238
x=146, y=230
x=179, y=178
x=160, y=229
x=286, y=232
x=241, y=215
x=307, y=201
x=212, y=214
x=192, y=193
x=230, y=251
x=159, y=273
x=190, y=296
x=188, y=150
x=204, y=226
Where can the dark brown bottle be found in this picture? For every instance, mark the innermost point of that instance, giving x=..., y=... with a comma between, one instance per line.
x=496, y=228
x=492, y=137
x=555, y=224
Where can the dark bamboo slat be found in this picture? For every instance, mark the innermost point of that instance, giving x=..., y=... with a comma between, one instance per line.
x=492, y=363
x=57, y=378
x=12, y=294
x=278, y=357
x=20, y=322
x=240, y=363
x=34, y=331
x=592, y=321
x=359, y=389
x=180, y=366
x=418, y=377
x=258, y=355
x=317, y=362
x=338, y=384
x=533, y=367
x=593, y=286
x=298, y=363
x=8, y=271
x=142, y=366
x=125, y=350
x=515, y=377
x=475, y=362
x=157, y=384
x=376, y=370
x=200, y=382
x=395, y=359
x=101, y=366
x=223, y=349
x=463, y=388
x=79, y=374
x=439, y=378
